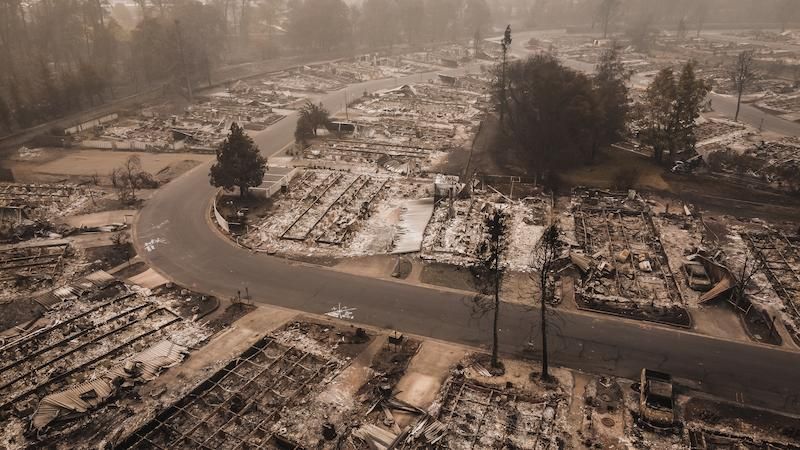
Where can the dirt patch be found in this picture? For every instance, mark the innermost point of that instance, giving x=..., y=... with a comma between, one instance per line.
x=759, y=328
x=675, y=315
x=251, y=206
x=89, y=165
x=609, y=162
x=741, y=419
x=18, y=312
x=231, y=314
x=450, y=276
x=721, y=196
x=109, y=256
x=131, y=270
x=390, y=365
x=176, y=169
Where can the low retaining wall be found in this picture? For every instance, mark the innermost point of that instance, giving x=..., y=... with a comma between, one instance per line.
x=138, y=146
x=220, y=220
x=89, y=124
x=276, y=186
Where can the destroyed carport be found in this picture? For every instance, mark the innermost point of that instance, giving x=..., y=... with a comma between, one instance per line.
x=239, y=405
x=142, y=367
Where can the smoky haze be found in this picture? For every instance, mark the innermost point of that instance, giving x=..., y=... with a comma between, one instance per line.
x=60, y=57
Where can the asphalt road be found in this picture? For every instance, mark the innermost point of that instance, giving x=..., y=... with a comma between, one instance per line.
x=173, y=235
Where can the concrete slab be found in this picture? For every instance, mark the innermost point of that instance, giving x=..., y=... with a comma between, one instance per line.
x=101, y=219
x=721, y=322
x=427, y=371
x=148, y=279
x=379, y=266
x=91, y=240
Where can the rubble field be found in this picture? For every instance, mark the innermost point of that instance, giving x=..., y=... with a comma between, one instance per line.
x=355, y=194
x=245, y=404
x=488, y=417
x=611, y=417
x=255, y=103
x=22, y=201
x=457, y=229
x=780, y=259
x=332, y=212
x=344, y=214
x=782, y=105
x=713, y=130
x=98, y=339
x=31, y=261
x=23, y=268
x=406, y=130
x=618, y=236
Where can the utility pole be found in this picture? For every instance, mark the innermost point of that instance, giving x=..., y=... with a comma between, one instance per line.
x=506, y=44
x=183, y=60
x=346, y=113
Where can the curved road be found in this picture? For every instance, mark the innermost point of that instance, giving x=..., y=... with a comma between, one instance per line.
x=173, y=235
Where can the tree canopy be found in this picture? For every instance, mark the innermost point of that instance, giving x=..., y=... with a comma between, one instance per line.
x=550, y=111
x=239, y=163
x=611, y=96
x=312, y=116
x=670, y=108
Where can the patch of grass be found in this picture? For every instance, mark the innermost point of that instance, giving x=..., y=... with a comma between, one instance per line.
x=610, y=162
x=449, y=276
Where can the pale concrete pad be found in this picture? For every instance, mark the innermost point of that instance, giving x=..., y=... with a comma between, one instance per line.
x=148, y=279
x=343, y=389
x=101, y=219
x=720, y=322
x=368, y=266
x=427, y=372
x=91, y=240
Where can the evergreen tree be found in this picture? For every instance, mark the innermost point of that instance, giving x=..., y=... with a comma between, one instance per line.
x=670, y=109
x=611, y=96
x=239, y=163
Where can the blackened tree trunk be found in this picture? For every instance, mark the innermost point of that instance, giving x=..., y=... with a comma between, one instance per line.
x=495, y=333
x=545, y=361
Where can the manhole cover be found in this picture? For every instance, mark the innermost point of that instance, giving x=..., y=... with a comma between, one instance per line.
x=607, y=421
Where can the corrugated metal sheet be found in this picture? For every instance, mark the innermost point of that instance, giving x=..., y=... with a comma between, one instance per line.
x=83, y=397
x=100, y=277
x=78, y=399
x=95, y=279
x=152, y=361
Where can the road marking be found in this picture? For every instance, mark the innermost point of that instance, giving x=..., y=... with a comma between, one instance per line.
x=341, y=312
x=156, y=227
x=153, y=243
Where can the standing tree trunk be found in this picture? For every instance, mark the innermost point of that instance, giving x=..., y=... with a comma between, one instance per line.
x=545, y=361
x=742, y=76
x=503, y=90
x=495, y=333
x=738, y=106
x=550, y=250
x=506, y=44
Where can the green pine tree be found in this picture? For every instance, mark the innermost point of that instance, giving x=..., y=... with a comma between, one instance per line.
x=239, y=163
